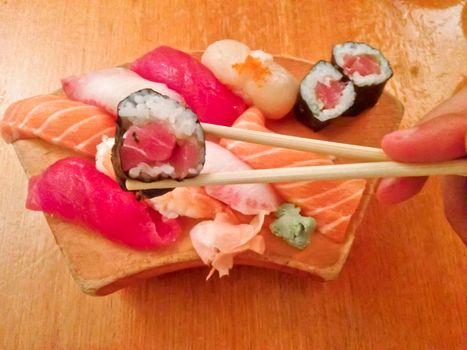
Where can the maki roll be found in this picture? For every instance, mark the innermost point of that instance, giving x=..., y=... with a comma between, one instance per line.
x=368, y=70
x=324, y=94
x=156, y=138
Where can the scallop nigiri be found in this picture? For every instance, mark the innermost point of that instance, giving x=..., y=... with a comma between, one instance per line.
x=105, y=88
x=211, y=101
x=254, y=75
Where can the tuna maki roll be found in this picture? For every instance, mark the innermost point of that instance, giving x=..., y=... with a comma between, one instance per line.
x=324, y=94
x=156, y=138
x=368, y=70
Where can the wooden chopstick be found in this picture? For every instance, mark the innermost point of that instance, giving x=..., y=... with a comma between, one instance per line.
x=322, y=172
x=298, y=143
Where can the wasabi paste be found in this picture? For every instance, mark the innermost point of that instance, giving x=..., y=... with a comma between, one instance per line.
x=294, y=228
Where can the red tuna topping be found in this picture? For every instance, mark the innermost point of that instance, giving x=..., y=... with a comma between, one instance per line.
x=152, y=143
x=209, y=99
x=364, y=64
x=75, y=190
x=186, y=156
x=155, y=144
x=329, y=93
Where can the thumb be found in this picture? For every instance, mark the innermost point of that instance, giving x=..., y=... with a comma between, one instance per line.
x=438, y=139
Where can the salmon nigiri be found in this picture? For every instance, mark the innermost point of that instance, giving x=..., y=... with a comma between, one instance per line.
x=331, y=203
x=58, y=120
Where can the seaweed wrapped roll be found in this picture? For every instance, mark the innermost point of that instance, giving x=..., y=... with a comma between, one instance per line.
x=368, y=70
x=324, y=94
x=156, y=138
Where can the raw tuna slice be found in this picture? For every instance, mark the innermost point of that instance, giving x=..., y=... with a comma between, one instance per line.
x=107, y=87
x=151, y=143
x=248, y=199
x=211, y=101
x=329, y=94
x=363, y=64
x=73, y=189
x=331, y=203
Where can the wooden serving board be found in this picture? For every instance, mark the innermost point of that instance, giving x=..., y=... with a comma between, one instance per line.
x=100, y=266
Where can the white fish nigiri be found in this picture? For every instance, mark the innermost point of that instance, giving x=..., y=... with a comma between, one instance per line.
x=248, y=199
x=107, y=87
x=253, y=75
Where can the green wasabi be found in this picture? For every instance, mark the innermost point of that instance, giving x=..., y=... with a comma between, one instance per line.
x=294, y=228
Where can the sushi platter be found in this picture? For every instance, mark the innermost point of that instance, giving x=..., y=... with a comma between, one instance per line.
x=101, y=266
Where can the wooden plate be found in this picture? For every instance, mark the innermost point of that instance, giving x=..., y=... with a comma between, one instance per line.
x=101, y=267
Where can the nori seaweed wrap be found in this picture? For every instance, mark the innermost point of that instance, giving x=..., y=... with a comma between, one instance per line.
x=368, y=70
x=324, y=94
x=156, y=138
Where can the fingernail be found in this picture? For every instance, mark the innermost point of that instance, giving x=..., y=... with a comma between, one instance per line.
x=404, y=133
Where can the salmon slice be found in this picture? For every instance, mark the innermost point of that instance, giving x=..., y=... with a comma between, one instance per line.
x=57, y=120
x=331, y=203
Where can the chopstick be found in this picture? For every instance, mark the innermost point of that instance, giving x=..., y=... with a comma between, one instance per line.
x=298, y=143
x=322, y=172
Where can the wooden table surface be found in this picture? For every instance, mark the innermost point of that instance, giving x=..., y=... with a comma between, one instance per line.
x=404, y=284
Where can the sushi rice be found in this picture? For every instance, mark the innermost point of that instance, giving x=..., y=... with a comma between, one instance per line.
x=141, y=108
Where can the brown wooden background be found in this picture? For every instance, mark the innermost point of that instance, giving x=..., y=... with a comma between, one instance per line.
x=405, y=283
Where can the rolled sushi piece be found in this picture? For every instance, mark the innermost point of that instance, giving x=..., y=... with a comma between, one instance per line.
x=368, y=70
x=324, y=94
x=156, y=138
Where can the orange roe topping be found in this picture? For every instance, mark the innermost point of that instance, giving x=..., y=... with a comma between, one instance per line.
x=254, y=68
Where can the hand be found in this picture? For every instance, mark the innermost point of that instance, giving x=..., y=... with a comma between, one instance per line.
x=441, y=136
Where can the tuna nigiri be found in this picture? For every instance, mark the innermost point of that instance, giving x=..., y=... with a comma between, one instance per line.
x=57, y=120
x=211, y=101
x=331, y=203
x=107, y=87
x=254, y=75
x=248, y=199
x=73, y=189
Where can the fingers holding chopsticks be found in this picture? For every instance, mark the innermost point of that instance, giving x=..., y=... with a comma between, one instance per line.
x=436, y=140
x=439, y=139
x=442, y=137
